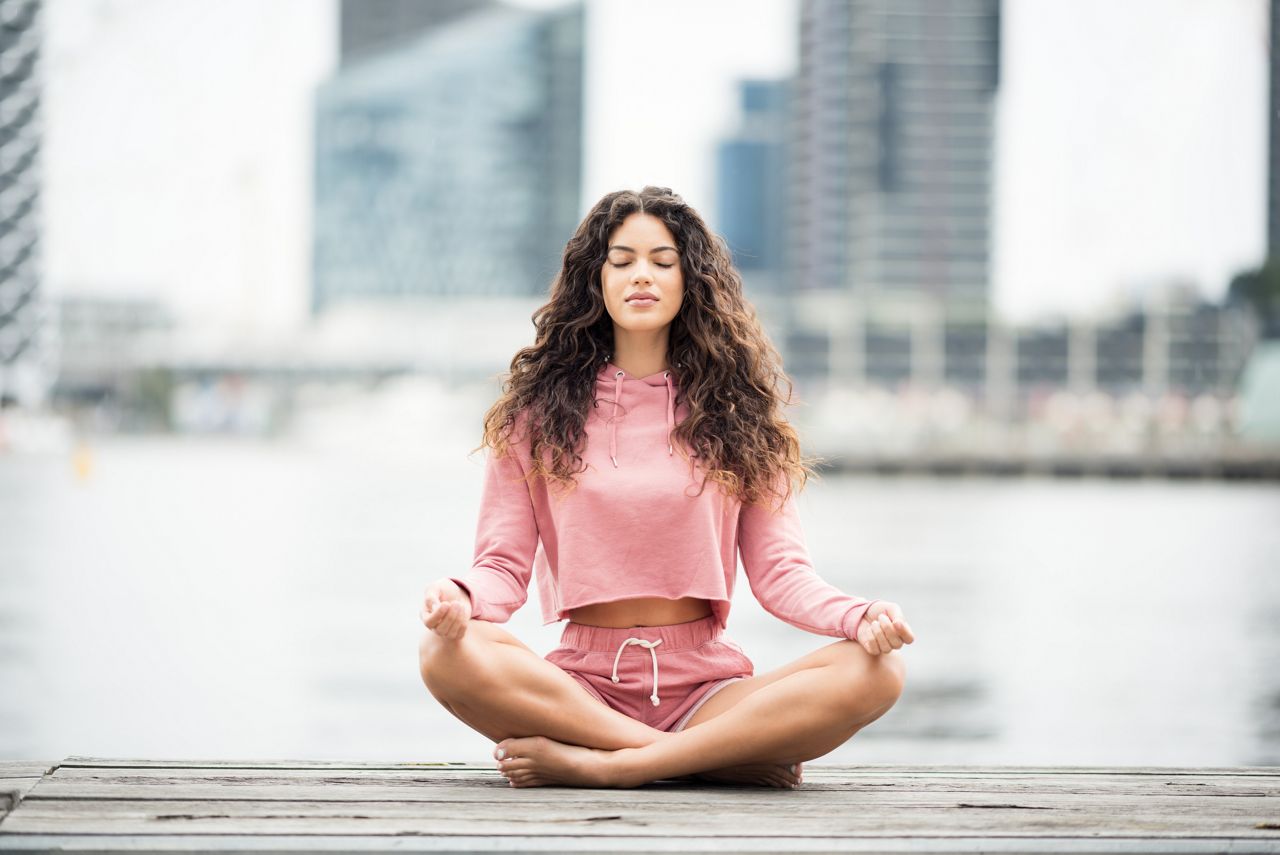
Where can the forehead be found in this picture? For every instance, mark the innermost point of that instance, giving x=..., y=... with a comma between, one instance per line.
x=642, y=232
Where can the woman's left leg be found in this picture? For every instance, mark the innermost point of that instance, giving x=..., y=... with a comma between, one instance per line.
x=793, y=714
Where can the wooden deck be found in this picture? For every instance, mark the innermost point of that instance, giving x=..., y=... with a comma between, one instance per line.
x=97, y=805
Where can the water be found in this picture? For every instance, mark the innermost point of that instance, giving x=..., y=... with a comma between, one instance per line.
x=238, y=599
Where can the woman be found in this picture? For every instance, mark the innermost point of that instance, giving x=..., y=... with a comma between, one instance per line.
x=637, y=450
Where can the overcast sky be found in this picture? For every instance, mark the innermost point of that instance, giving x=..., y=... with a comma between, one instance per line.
x=1131, y=140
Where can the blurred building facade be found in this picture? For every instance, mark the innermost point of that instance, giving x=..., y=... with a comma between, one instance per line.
x=1174, y=343
x=889, y=213
x=112, y=351
x=883, y=281
x=1273, y=142
x=751, y=181
x=367, y=27
x=26, y=346
x=449, y=163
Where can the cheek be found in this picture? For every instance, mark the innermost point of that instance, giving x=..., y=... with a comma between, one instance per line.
x=609, y=288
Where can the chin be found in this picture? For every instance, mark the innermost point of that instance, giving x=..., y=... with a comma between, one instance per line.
x=652, y=323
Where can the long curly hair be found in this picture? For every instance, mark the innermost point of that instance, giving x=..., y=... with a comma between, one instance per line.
x=729, y=373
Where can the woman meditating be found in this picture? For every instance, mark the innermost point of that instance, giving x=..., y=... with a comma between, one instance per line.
x=637, y=451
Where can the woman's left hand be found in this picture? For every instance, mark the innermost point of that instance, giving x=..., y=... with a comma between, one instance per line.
x=883, y=628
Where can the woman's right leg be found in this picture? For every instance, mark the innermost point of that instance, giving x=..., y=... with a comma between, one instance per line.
x=500, y=687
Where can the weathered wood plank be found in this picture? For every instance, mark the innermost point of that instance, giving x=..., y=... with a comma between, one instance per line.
x=274, y=806
x=917, y=845
x=121, y=763
x=891, y=769
x=784, y=814
x=354, y=785
x=24, y=769
x=16, y=780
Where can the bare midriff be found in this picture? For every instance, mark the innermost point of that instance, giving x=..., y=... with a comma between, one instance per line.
x=642, y=611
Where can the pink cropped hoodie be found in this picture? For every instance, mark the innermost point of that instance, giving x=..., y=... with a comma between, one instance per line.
x=634, y=526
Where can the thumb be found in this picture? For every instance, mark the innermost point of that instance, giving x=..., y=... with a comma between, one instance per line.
x=865, y=637
x=432, y=602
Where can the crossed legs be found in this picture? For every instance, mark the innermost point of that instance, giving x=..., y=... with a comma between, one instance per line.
x=553, y=732
x=499, y=686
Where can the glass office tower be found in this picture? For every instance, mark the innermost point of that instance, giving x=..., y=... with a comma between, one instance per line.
x=449, y=164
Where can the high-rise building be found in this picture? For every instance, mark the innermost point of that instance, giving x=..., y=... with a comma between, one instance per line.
x=1273, y=146
x=368, y=27
x=751, y=184
x=889, y=213
x=450, y=164
x=22, y=311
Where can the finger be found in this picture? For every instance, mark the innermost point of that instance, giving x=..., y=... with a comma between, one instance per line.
x=437, y=617
x=867, y=640
x=894, y=611
x=455, y=622
x=881, y=642
x=904, y=631
x=449, y=623
x=890, y=632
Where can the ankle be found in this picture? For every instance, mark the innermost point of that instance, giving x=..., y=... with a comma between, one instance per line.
x=622, y=768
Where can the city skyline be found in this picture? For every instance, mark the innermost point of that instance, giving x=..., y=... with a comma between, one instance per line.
x=209, y=207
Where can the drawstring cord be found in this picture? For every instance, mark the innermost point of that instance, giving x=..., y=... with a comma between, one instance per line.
x=613, y=422
x=642, y=643
x=617, y=400
x=671, y=413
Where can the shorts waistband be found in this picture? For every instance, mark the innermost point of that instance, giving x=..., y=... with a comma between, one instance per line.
x=675, y=636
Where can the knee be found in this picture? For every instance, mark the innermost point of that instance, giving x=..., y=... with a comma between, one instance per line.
x=891, y=676
x=451, y=666
x=438, y=658
x=875, y=680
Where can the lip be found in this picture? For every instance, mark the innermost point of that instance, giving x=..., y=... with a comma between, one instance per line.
x=643, y=295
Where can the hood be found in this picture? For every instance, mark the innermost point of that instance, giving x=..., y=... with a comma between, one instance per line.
x=614, y=384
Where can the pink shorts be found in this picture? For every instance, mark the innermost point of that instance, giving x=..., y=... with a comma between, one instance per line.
x=664, y=673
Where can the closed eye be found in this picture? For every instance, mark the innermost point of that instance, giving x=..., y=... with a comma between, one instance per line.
x=625, y=263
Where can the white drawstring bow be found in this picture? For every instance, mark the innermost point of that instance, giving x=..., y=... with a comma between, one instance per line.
x=642, y=643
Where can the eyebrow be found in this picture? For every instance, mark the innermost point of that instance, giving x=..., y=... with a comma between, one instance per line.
x=651, y=252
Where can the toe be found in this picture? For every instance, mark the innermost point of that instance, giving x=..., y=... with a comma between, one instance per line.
x=515, y=764
x=523, y=746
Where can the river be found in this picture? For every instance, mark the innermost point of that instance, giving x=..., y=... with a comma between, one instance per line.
x=248, y=599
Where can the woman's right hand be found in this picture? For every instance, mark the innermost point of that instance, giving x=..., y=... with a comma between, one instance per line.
x=446, y=609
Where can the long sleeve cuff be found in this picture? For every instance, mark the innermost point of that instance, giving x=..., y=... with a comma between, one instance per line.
x=852, y=617
x=491, y=597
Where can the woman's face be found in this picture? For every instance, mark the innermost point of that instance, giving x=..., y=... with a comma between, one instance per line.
x=642, y=258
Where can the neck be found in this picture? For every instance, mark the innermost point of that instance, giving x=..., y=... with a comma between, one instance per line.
x=640, y=357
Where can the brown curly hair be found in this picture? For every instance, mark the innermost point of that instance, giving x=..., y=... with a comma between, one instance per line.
x=730, y=374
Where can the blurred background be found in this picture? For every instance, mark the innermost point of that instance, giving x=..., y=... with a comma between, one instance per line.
x=263, y=264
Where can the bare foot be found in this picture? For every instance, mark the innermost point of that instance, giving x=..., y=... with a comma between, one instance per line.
x=760, y=774
x=538, y=761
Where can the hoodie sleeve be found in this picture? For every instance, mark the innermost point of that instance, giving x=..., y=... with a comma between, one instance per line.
x=506, y=539
x=776, y=560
